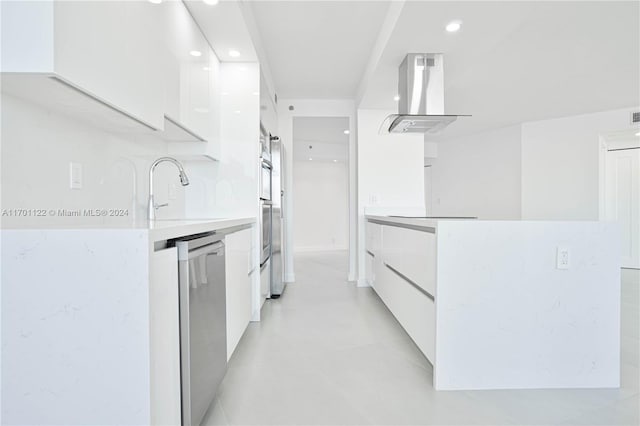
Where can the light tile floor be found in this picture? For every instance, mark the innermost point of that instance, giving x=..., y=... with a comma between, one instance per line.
x=328, y=353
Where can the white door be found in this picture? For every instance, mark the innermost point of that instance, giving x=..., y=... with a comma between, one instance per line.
x=623, y=200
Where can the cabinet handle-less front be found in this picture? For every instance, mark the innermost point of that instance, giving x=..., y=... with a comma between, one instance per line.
x=405, y=278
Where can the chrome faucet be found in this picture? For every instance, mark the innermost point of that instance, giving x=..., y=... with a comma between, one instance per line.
x=184, y=181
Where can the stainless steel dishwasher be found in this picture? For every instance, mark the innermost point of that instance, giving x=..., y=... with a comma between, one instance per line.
x=203, y=328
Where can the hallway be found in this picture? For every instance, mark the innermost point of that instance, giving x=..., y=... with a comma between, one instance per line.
x=330, y=353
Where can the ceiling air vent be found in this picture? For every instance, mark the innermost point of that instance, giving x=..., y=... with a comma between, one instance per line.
x=635, y=117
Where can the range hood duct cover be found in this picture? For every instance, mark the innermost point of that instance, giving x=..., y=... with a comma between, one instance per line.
x=421, y=91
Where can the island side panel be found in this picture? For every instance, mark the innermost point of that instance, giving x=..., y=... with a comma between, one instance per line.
x=507, y=318
x=75, y=327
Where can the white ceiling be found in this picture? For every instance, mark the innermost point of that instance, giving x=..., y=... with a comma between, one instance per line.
x=320, y=138
x=519, y=61
x=512, y=61
x=318, y=49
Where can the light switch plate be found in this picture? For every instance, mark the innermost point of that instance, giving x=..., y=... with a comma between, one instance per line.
x=75, y=175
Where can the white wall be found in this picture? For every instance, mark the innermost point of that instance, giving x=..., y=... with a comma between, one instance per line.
x=320, y=205
x=317, y=108
x=390, y=174
x=478, y=175
x=35, y=163
x=35, y=168
x=560, y=164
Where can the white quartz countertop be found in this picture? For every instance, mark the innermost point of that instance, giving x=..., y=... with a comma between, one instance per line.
x=419, y=222
x=159, y=230
x=167, y=229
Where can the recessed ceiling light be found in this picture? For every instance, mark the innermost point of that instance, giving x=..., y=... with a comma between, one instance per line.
x=155, y=1
x=211, y=2
x=396, y=98
x=234, y=53
x=335, y=161
x=256, y=93
x=453, y=26
x=206, y=68
x=195, y=53
x=237, y=112
x=638, y=134
x=346, y=132
x=310, y=159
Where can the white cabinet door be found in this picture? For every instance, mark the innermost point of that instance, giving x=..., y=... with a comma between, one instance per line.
x=238, y=286
x=109, y=50
x=265, y=281
x=623, y=201
x=413, y=310
x=113, y=50
x=268, y=114
x=164, y=337
x=369, y=268
x=412, y=253
x=190, y=73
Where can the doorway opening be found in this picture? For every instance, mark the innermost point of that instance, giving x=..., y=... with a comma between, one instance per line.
x=321, y=185
x=620, y=190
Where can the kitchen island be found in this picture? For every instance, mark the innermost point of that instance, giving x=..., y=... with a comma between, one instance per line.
x=90, y=319
x=503, y=304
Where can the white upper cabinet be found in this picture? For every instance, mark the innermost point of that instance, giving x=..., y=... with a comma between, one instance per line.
x=110, y=51
x=268, y=114
x=191, y=72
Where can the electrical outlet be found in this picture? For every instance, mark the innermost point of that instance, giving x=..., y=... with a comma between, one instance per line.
x=562, y=258
x=374, y=199
x=75, y=175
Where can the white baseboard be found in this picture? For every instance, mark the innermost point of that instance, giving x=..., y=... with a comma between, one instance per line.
x=289, y=278
x=362, y=282
x=255, y=316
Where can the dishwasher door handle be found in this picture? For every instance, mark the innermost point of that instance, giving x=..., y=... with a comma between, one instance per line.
x=216, y=249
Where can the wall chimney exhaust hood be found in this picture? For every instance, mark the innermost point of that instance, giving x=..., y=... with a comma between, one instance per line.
x=421, y=91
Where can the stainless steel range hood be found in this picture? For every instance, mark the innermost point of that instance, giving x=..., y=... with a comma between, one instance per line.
x=421, y=91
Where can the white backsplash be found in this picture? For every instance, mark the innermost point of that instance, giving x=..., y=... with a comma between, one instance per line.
x=38, y=145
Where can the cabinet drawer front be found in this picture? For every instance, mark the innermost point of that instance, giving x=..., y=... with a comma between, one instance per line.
x=373, y=237
x=413, y=309
x=369, y=261
x=413, y=254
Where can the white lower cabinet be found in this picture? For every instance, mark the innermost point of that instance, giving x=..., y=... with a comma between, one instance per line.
x=265, y=281
x=373, y=253
x=238, y=286
x=413, y=252
x=402, y=282
x=414, y=310
x=369, y=267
